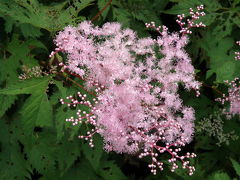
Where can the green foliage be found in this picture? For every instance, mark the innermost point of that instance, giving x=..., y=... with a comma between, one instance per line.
x=94, y=155
x=35, y=140
x=221, y=19
x=12, y=162
x=236, y=166
x=7, y=102
x=220, y=176
x=221, y=56
x=109, y=170
x=31, y=86
x=52, y=18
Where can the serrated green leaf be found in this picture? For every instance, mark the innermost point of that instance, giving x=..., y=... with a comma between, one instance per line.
x=67, y=153
x=101, y=5
x=121, y=15
x=36, y=111
x=94, y=155
x=222, y=60
x=12, y=162
x=62, y=89
x=224, y=25
x=236, y=166
x=19, y=53
x=210, y=7
x=40, y=152
x=182, y=6
x=6, y=103
x=109, y=170
x=52, y=18
x=29, y=30
x=29, y=86
x=60, y=121
x=143, y=11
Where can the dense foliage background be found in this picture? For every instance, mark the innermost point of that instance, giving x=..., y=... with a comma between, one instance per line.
x=35, y=140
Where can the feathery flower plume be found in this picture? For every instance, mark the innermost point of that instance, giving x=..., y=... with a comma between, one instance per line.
x=137, y=108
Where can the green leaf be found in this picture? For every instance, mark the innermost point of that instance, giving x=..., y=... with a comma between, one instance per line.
x=143, y=11
x=67, y=152
x=41, y=153
x=182, y=6
x=60, y=87
x=29, y=86
x=29, y=30
x=221, y=56
x=12, y=162
x=6, y=103
x=221, y=176
x=236, y=166
x=94, y=155
x=121, y=15
x=36, y=111
x=80, y=171
x=9, y=22
x=101, y=5
x=61, y=125
x=64, y=112
x=17, y=53
x=109, y=170
x=224, y=25
x=52, y=18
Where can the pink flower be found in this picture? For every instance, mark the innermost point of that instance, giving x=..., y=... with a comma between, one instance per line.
x=233, y=97
x=137, y=104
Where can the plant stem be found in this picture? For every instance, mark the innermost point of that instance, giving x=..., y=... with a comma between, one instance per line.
x=101, y=11
x=79, y=85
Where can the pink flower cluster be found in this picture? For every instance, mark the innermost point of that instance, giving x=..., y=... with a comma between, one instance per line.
x=195, y=15
x=137, y=108
x=233, y=97
x=237, y=57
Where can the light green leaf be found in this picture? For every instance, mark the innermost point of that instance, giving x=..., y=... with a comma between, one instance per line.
x=29, y=86
x=52, y=18
x=29, y=30
x=236, y=166
x=17, y=53
x=36, y=111
x=221, y=56
x=60, y=121
x=221, y=176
